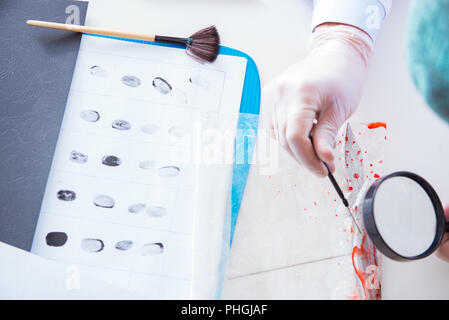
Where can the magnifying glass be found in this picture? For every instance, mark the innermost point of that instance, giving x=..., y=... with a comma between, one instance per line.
x=404, y=217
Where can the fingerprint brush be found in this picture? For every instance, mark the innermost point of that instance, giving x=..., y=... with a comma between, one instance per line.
x=338, y=189
x=340, y=194
x=202, y=45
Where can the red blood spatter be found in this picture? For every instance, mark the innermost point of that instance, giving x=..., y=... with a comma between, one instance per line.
x=346, y=139
x=376, y=176
x=371, y=165
x=350, y=188
x=376, y=125
x=359, y=152
x=314, y=203
x=359, y=253
x=356, y=176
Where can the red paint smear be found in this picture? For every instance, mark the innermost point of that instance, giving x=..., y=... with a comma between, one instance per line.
x=376, y=125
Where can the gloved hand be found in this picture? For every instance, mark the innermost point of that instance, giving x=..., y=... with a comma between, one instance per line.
x=443, y=251
x=318, y=94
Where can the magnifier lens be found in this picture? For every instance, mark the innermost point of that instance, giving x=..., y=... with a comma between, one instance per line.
x=404, y=216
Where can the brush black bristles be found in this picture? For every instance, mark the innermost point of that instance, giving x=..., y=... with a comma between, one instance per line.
x=205, y=44
x=202, y=45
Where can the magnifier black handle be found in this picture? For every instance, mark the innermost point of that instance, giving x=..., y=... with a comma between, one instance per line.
x=447, y=226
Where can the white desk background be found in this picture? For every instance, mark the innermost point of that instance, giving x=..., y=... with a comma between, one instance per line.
x=275, y=33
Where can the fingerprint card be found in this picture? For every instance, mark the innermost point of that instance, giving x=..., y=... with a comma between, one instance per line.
x=120, y=195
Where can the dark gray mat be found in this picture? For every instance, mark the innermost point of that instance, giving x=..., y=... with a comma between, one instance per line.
x=36, y=69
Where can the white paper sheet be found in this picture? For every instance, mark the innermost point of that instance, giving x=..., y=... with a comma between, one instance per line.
x=24, y=275
x=119, y=199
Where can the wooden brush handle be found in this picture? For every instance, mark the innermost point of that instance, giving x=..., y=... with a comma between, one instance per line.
x=84, y=29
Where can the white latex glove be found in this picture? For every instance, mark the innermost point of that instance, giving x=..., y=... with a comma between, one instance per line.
x=318, y=94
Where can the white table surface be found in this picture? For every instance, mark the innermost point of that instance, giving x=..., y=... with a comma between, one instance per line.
x=418, y=140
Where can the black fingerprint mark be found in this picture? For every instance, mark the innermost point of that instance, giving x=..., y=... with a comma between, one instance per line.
x=66, y=195
x=56, y=239
x=156, y=212
x=90, y=115
x=111, y=161
x=124, y=245
x=104, y=201
x=152, y=249
x=168, y=171
x=121, y=125
x=92, y=245
x=136, y=208
x=98, y=71
x=161, y=85
x=131, y=81
x=78, y=157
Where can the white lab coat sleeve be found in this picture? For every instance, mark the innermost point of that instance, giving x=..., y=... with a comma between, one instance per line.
x=367, y=15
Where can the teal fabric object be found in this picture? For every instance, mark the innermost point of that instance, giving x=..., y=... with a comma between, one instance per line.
x=428, y=44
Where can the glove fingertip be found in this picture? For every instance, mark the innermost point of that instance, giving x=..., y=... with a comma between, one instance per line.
x=325, y=153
